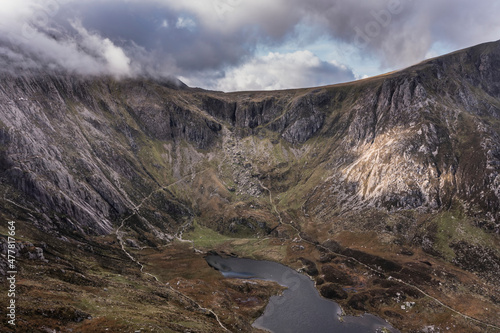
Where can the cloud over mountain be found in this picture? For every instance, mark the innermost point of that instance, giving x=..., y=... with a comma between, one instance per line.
x=280, y=71
x=215, y=43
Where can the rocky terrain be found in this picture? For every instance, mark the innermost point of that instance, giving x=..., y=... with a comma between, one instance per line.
x=385, y=190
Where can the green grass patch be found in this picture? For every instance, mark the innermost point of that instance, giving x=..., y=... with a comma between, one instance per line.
x=454, y=226
x=204, y=237
x=257, y=248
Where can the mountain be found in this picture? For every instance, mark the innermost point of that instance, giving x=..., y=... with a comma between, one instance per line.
x=391, y=177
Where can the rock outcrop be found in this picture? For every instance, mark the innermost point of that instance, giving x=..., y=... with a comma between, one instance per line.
x=86, y=153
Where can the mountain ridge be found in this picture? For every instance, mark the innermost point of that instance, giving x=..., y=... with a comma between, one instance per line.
x=399, y=103
x=411, y=156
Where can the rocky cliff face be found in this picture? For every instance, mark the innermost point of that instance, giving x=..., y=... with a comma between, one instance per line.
x=83, y=153
x=74, y=153
x=386, y=184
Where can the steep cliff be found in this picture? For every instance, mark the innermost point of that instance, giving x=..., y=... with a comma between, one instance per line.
x=413, y=155
x=422, y=138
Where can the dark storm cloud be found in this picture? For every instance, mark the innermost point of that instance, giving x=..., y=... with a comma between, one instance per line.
x=398, y=32
x=159, y=29
x=211, y=41
x=165, y=34
x=401, y=32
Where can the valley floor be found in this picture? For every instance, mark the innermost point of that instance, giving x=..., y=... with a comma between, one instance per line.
x=98, y=288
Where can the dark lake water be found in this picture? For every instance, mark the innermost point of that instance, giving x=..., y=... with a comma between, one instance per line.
x=300, y=309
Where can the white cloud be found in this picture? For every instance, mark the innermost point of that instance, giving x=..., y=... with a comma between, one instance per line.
x=185, y=23
x=129, y=37
x=397, y=33
x=115, y=60
x=283, y=71
x=35, y=42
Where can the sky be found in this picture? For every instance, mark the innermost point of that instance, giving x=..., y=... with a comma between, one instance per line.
x=233, y=45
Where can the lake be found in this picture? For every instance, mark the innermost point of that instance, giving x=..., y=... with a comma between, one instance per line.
x=300, y=309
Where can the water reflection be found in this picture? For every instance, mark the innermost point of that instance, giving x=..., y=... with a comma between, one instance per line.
x=300, y=308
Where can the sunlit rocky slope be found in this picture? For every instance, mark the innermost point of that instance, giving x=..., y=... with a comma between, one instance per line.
x=412, y=157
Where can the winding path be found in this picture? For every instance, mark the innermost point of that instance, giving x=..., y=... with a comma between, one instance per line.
x=119, y=235
x=379, y=271
x=281, y=222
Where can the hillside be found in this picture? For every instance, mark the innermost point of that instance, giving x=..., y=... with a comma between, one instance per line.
x=396, y=176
